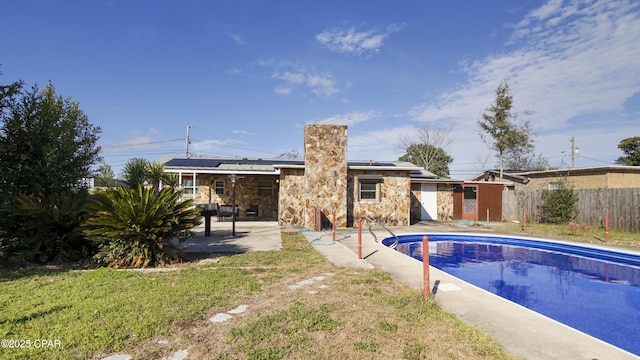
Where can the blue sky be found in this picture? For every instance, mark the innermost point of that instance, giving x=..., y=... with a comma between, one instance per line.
x=248, y=75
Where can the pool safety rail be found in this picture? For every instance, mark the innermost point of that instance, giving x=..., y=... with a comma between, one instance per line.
x=392, y=246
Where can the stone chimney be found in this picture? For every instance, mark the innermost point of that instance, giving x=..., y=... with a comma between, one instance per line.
x=325, y=175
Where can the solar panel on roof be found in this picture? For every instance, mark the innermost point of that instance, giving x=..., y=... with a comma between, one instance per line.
x=214, y=163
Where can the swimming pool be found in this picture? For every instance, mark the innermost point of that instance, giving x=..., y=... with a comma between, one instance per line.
x=594, y=290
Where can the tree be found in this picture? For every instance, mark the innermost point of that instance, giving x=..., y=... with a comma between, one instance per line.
x=291, y=154
x=426, y=149
x=505, y=132
x=631, y=147
x=8, y=94
x=139, y=171
x=47, y=146
x=429, y=157
x=524, y=159
x=559, y=206
x=105, y=176
x=155, y=174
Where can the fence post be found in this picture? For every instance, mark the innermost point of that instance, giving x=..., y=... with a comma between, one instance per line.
x=525, y=220
x=606, y=227
x=359, y=239
x=425, y=265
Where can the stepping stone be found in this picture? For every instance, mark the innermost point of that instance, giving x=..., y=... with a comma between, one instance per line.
x=221, y=317
x=239, y=310
x=118, y=357
x=178, y=355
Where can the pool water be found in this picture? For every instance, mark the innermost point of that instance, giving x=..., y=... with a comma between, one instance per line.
x=593, y=290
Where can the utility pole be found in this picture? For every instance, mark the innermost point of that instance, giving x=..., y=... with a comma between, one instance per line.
x=188, y=141
x=574, y=151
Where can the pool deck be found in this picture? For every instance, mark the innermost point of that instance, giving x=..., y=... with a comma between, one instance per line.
x=522, y=332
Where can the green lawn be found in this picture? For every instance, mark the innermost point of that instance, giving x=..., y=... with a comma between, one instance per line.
x=360, y=314
x=578, y=233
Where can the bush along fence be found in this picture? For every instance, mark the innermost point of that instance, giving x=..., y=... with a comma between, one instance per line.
x=621, y=205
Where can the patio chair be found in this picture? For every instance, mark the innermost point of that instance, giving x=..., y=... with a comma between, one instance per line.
x=252, y=210
x=226, y=211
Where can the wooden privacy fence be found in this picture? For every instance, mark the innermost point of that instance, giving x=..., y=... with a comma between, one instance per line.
x=622, y=205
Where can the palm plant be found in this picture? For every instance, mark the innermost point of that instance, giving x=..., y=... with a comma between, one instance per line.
x=50, y=227
x=134, y=227
x=171, y=180
x=135, y=172
x=155, y=174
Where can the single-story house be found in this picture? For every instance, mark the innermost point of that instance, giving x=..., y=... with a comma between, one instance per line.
x=309, y=192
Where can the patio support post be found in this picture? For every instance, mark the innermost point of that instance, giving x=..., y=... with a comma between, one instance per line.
x=233, y=178
x=194, y=187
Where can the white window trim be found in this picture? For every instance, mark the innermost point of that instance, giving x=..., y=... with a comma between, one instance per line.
x=554, y=185
x=215, y=186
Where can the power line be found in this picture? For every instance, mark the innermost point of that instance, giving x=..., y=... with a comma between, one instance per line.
x=139, y=144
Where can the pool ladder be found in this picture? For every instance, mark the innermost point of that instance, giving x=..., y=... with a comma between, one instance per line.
x=395, y=243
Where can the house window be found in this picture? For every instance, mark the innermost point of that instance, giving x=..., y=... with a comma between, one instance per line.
x=470, y=196
x=189, y=188
x=218, y=185
x=369, y=187
x=555, y=186
x=265, y=187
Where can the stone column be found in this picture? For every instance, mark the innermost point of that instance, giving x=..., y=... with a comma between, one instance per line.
x=325, y=158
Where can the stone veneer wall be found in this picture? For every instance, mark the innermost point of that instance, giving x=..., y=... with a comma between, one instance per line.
x=444, y=197
x=247, y=193
x=325, y=157
x=292, y=198
x=416, y=205
x=394, y=206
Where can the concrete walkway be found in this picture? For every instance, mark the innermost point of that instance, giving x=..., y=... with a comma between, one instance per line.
x=249, y=236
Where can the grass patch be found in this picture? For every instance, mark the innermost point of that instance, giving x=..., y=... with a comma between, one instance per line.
x=579, y=233
x=341, y=314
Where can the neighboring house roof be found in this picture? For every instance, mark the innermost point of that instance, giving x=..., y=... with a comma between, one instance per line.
x=515, y=176
x=583, y=171
x=523, y=177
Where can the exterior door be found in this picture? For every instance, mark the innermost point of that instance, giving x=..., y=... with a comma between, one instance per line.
x=470, y=202
x=429, y=202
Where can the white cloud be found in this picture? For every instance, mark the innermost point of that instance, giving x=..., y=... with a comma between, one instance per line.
x=349, y=119
x=321, y=85
x=241, y=132
x=235, y=37
x=568, y=60
x=381, y=145
x=291, y=77
x=351, y=41
x=212, y=146
x=281, y=90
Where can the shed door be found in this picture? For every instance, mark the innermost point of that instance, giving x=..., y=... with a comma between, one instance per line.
x=470, y=203
x=429, y=202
